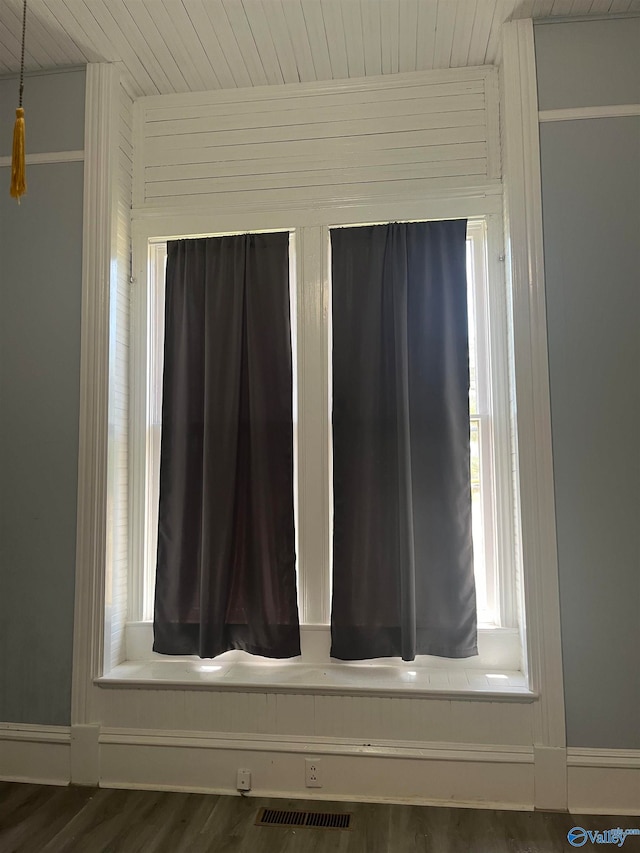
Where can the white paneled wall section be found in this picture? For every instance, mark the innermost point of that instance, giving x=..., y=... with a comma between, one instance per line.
x=307, y=156
x=312, y=144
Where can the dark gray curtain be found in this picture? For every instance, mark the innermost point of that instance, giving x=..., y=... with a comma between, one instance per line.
x=226, y=549
x=403, y=579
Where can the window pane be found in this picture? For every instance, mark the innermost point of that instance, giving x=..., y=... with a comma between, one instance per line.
x=471, y=308
x=477, y=519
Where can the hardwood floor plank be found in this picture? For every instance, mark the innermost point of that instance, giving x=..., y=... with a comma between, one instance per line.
x=25, y=817
x=104, y=823
x=42, y=819
x=51, y=818
x=12, y=795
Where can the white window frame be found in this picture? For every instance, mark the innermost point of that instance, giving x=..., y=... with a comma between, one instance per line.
x=533, y=473
x=310, y=276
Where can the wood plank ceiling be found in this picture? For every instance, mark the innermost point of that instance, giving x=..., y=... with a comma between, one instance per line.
x=165, y=46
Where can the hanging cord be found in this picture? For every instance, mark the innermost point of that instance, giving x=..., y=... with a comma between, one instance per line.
x=18, y=170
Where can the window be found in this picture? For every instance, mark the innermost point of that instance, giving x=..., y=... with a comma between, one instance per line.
x=491, y=454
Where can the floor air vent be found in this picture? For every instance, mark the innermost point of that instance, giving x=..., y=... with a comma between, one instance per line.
x=321, y=820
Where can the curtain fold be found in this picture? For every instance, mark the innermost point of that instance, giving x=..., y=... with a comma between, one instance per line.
x=225, y=574
x=403, y=579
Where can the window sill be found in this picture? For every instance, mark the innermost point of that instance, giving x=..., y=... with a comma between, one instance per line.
x=493, y=675
x=345, y=679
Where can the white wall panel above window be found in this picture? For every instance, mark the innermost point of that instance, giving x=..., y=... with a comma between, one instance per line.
x=318, y=140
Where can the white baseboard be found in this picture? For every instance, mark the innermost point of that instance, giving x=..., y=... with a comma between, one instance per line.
x=604, y=781
x=599, y=781
x=37, y=754
x=425, y=774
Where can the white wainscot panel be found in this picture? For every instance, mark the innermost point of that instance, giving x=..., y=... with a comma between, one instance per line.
x=354, y=718
x=320, y=141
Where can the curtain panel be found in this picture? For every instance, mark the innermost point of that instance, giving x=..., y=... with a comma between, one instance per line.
x=403, y=580
x=226, y=548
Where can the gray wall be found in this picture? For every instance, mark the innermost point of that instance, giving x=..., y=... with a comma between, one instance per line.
x=588, y=63
x=40, y=294
x=591, y=210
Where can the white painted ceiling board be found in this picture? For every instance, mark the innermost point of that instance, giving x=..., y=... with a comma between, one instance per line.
x=426, y=36
x=600, y=6
x=202, y=50
x=180, y=44
x=296, y=25
x=561, y=8
x=407, y=35
x=41, y=45
x=389, y=15
x=245, y=42
x=166, y=46
x=465, y=19
x=542, y=8
x=60, y=19
x=445, y=28
x=11, y=33
x=259, y=24
x=334, y=29
x=371, y=38
x=227, y=40
x=352, y=24
x=581, y=7
x=482, y=25
x=103, y=25
x=139, y=36
x=158, y=46
x=282, y=42
x=314, y=22
x=503, y=11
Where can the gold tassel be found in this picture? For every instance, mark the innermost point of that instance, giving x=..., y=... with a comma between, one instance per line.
x=18, y=171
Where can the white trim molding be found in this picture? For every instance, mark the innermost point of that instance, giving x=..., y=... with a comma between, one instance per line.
x=581, y=113
x=48, y=157
x=604, y=781
x=36, y=754
x=419, y=773
x=312, y=423
x=101, y=110
x=601, y=781
x=525, y=266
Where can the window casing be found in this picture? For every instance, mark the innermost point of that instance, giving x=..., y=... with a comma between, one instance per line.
x=489, y=403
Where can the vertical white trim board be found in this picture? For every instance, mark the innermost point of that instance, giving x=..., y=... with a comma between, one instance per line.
x=99, y=250
x=525, y=265
x=85, y=755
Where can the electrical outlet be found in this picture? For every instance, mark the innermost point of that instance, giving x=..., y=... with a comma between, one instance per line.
x=313, y=773
x=243, y=782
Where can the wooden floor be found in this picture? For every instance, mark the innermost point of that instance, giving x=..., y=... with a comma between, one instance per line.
x=44, y=819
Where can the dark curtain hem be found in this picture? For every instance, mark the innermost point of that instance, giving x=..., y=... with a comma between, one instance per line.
x=184, y=639
x=366, y=643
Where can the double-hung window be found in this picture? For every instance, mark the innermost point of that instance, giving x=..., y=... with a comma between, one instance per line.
x=491, y=457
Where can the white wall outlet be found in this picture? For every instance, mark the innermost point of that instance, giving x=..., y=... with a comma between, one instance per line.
x=313, y=773
x=243, y=782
